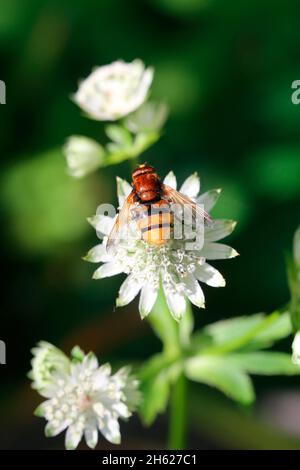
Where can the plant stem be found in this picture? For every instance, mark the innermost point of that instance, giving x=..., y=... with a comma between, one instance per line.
x=178, y=415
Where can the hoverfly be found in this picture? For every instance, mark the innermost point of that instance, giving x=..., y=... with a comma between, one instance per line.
x=150, y=205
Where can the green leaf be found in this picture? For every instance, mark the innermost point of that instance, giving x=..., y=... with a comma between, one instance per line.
x=278, y=329
x=218, y=372
x=293, y=273
x=119, y=135
x=155, y=398
x=253, y=332
x=154, y=366
x=225, y=331
x=155, y=378
x=264, y=363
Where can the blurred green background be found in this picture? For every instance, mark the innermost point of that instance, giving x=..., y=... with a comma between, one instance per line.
x=225, y=68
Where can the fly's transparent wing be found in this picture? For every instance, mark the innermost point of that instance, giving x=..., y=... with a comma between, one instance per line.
x=122, y=222
x=185, y=202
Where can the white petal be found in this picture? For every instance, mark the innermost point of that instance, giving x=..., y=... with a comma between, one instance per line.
x=51, y=431
x=209, y=198
x=110, y=429
x=123, y=190
x=147, y=299
x=219, y=229
x=122, y=410
x=193, y=291
x=101, y=376
x=73, y=436
x=102, y=223
x=211, y=276
x=97, y=254
x=91, y=435
x=170, y=180
x=218, y=251
x=296, y=349
x=90, y=362
x=107, y=270
x=99, y=409
x=128, y=290
x=176, y=303
x=191, y=186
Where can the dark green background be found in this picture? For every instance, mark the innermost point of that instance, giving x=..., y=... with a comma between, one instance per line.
x=225, y=68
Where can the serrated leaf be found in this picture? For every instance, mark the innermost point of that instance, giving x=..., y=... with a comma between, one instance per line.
x=244, y=333
x=153, y=367
x=217, y=372
x=264, y=363
x=228, y=330
x=155, y=378
x=155, y=398
x=280, y=328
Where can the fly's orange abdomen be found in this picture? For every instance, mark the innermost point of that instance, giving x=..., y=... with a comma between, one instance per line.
x=155, y=222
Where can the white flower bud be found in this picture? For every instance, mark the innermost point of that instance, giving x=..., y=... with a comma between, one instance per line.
x=296, y=349
x=113, y=91
x=83, y=155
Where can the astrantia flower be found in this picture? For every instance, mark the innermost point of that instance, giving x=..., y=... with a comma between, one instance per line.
x=113, y=91
x=296, y=349
x=178, y=270
x=83, y=155
x=85, y=399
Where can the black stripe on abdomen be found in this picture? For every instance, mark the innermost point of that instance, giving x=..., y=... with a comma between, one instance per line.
x=154, y=226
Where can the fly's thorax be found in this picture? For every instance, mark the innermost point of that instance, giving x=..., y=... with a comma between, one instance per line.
x=147, y=187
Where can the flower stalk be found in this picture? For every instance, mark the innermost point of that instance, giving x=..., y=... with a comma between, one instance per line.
x=177, y=434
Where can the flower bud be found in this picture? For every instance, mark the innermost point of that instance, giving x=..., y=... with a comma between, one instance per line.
x=83, y=155
x=296, y=349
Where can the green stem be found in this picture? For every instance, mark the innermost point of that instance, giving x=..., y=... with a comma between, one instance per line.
x=175, y=337
x=178, y=415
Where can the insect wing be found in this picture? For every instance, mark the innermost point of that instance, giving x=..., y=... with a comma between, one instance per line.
x=186, y=203
x=121, y=224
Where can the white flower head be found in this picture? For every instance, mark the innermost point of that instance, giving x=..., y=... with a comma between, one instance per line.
x=296, y=349
x=88, y=399
x=83, y=155
x=177, y=268
x=112, y=91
